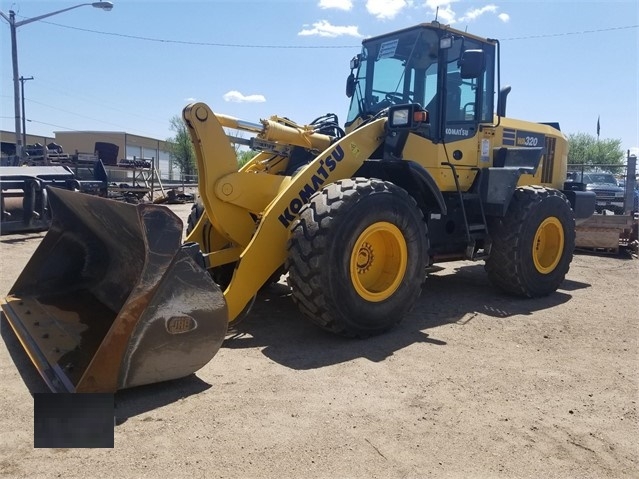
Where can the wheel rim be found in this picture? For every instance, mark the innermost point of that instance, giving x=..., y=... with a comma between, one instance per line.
x=378, y=261
x=548, y=245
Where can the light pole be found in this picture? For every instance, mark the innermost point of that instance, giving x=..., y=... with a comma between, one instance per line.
x=11, y=18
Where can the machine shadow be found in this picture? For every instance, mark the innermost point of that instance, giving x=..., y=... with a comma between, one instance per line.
x=623, y=253
x=139, y=400
x=128, y=402
x=22, y=237
x=29, y=374
x=570, y=285
x=276, y=325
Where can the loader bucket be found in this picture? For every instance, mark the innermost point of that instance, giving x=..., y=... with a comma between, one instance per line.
x=112, y=298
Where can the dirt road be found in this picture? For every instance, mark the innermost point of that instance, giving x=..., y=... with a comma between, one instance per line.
x=471, y=384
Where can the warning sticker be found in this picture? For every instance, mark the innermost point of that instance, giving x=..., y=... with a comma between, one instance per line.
x=388, y=49
x=485, y=149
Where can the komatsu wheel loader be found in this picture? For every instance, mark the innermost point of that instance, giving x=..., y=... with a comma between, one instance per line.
x=427, y=169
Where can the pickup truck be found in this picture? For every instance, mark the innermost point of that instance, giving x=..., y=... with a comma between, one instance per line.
x=610, y=196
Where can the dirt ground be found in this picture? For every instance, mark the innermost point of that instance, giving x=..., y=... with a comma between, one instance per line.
x=472, y=383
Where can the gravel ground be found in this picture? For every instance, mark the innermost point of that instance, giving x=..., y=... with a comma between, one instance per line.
x=472, y=383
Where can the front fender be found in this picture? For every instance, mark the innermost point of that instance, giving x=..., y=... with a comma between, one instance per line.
x=267, y=249
x=409, y=175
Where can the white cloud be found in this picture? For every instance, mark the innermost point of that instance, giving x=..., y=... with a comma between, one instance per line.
x=447, y=14
x=477, y=12
x=237, y=97
x=439, y=3
x=190, y=99
x=325, y=29
x=385, y=9
x=433, y=4
x=338, y=4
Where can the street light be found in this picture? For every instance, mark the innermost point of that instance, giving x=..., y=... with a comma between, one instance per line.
x=11, y=18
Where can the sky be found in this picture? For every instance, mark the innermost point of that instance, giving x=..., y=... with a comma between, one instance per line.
x=135, y=67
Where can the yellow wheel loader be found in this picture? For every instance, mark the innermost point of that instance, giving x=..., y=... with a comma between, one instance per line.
x=427, y=169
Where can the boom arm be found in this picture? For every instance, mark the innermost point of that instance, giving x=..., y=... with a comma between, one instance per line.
x=263, y=243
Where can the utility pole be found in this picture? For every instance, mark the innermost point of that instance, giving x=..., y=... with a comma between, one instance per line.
x=24, y=120
x=13, y=25
x=14, y=63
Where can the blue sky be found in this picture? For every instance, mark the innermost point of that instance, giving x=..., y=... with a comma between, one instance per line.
x=133, y=68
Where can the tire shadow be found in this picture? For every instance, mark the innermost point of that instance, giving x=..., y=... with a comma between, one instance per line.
x=570, y=285
x=22, y=237
x=277, y=327
x=285, y=336
x=623, y=253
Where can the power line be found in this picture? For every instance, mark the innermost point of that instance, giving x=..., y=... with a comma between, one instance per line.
x=582, y=32
x=51, y=124
x=86, y=117
x=87, y=99
x=140, y=132
x=207, y=44
x=103, y=134
x=239, y=45
x=74, y=113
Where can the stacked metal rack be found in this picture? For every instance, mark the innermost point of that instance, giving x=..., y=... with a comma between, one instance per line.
x=24, y=204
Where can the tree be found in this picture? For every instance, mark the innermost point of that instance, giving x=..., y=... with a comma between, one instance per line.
x=244, y=156
x=181, y=147
x=183, y=154
x=585, y=149
x=236, y=138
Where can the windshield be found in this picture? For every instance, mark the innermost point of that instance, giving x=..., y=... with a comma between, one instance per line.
x=602, y=178
x=395, y=69
x=590, y=178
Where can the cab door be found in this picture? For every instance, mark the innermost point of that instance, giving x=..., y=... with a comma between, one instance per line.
x=467, y=103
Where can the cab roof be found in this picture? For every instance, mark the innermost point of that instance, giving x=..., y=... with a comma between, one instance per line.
x=434, y=25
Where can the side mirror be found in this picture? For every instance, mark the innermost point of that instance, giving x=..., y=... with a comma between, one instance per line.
x=350, y=85
x=355, y=61
x=472, y=64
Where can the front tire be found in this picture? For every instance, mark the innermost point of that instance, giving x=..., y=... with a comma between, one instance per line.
x=223, y=274
x=197, y=210
x=532, y=246
x=356, y=256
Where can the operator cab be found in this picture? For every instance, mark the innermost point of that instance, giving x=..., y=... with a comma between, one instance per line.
x=448, y=73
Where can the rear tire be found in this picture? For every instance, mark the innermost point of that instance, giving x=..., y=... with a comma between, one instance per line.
x=197, y=210
x=356, y=256
x=222, y=275
x=532, y=246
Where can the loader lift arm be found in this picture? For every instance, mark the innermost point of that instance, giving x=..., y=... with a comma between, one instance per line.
x=217, y=167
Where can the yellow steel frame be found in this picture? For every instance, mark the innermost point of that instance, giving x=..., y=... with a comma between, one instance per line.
x=231, y=197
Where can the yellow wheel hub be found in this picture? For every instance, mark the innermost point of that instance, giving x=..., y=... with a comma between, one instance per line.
x=378, y=261
x=548, y=245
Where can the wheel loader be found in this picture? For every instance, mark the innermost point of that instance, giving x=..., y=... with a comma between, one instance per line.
x=428, y=168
